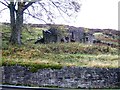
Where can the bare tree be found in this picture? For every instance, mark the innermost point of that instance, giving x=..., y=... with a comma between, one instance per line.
x=36, y=9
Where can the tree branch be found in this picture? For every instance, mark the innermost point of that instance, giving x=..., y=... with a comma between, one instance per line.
x=59, y=10
x=34, y=17
x=43, y=7
x=6, y=1
x=3, y=9
x=27, y=5
x=4, y=4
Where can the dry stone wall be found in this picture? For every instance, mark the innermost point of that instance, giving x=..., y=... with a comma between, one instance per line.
x=70, y=77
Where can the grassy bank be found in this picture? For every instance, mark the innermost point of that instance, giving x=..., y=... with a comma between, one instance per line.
x=55, y=55
x=62, y=54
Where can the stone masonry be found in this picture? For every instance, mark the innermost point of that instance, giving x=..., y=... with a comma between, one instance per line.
x=70, y=77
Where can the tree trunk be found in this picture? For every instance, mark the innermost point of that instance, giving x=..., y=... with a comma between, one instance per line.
x=12, y=20
x=16, y=24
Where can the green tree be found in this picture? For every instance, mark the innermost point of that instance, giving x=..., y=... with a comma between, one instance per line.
x=18, y=8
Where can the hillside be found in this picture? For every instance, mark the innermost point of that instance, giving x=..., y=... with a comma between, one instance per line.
x=55, y=55
x=105, y=36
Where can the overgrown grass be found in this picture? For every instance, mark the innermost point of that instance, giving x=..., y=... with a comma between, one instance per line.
x=55, y=55
x=59, y=55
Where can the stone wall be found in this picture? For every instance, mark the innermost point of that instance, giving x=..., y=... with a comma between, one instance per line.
x=70, y=77
x=55, y=35
x=52, y=35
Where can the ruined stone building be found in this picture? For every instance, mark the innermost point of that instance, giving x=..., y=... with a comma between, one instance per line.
x=76, y=34
x=51, y=35
x=73, y=34
x=89, y=38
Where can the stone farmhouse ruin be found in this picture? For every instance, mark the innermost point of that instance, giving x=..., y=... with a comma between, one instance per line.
x=77, y=34
x=71, y=34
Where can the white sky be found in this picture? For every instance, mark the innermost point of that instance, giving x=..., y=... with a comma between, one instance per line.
x=94, y=14
x=99, y=14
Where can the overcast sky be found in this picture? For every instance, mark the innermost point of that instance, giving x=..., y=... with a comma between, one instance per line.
x=94, y=14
